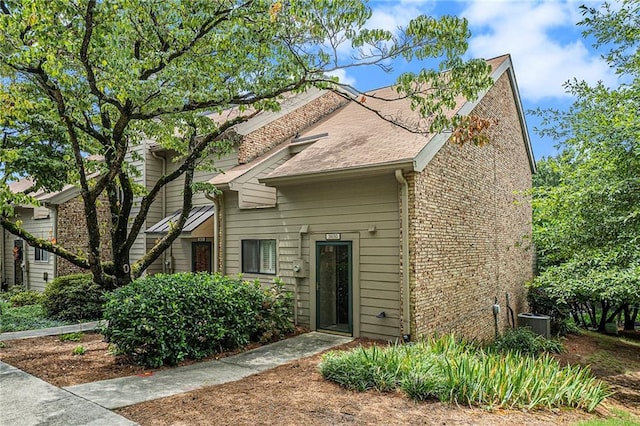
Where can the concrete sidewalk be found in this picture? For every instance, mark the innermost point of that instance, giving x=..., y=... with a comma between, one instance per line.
x=120, y=392
x=27, y=400
x=51, y=331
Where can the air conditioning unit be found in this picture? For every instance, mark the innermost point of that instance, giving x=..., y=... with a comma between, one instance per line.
x=539, y=324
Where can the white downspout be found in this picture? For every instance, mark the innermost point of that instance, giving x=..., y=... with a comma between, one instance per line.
x=406, y=312
x=216, y=229
x=163, y=160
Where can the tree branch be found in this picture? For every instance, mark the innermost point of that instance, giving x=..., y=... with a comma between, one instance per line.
x=46, y=245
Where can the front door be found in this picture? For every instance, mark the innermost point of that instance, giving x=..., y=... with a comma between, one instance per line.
x=334, y=299
x=18, y=255
x=201, y=256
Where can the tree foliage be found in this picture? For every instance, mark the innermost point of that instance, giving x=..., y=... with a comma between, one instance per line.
x=82, y=82
x=587, y=199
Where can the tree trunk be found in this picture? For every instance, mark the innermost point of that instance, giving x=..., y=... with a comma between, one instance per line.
x=630, y=315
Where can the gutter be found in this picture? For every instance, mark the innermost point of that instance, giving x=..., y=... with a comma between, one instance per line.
x=406, y=308
x=328, y=175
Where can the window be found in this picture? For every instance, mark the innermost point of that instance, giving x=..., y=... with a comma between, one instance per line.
x=259, y=256
x=41, y=255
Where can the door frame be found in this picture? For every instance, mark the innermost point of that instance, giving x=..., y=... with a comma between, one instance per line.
x=193, y=254
x=349, y=245
x=354, y=238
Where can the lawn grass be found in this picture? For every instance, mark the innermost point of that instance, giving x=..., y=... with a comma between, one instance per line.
x=607, y=356
x=28, y=317
x=617, y=418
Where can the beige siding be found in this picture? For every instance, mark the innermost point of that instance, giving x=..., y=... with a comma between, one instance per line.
x=33, y=277
x=139, y=247
x=180, y=251
x=174, y=189
x=252, y=193
x=348, y=207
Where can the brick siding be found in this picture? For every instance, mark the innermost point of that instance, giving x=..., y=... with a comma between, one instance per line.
x=267, y=137
x=73, y=234
x=470, y=228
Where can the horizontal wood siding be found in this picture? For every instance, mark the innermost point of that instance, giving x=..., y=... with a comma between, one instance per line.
x=174, y=189
x=34, y=277
x=252, y=193
x=334, y=207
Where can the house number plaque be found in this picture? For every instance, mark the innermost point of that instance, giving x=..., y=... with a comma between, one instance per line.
x=332, y=236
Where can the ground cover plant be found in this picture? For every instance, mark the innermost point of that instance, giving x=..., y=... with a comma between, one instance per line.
x=168, y=318
x=29, y=317
x=452, y=370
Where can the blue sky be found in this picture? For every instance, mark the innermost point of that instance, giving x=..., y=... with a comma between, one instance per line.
x=546, y=46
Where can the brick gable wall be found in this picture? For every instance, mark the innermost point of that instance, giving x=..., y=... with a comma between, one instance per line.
x=470, y=228
x=269, y=136
x=73, y=235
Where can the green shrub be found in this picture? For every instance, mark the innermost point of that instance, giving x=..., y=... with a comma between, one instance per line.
x=167, y=318
x=26, y=297
x=452, y=370
x=74, y=297
x=526, y=342
x=540, y=302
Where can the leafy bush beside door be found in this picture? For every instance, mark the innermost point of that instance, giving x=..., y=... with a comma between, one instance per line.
x=167, y=318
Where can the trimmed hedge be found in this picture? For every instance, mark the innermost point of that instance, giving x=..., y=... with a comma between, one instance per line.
x=74, y=298
x=166, y=318
x=26, y=298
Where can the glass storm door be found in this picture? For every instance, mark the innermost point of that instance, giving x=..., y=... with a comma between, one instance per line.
x=333, y=288
x=201, y=256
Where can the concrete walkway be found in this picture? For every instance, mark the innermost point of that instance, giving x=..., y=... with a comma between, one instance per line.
x=52, y=331
x=27, y=400
x=120, y=392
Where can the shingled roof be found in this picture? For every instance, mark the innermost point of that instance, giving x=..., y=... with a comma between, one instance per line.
x=359, y=139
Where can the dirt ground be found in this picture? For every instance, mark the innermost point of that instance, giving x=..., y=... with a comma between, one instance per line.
x=295, y=393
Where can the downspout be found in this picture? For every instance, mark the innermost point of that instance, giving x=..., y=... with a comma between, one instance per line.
x=406, y=319
x=2, y=259
x=163, y=160
x=216, y=229
x=54, y=219
x=296, y=297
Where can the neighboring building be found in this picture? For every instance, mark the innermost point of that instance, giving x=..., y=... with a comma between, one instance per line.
x=378, y=231
x=22, y=264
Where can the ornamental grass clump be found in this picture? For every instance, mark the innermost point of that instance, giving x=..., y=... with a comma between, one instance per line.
x=451, y=370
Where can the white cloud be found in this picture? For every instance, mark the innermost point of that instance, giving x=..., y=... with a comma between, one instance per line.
x=343, y=77
x=534, y=33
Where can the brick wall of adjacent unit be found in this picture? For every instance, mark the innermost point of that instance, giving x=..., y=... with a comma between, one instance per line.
x=267, y=137
x=470, y=228
x=73, y=235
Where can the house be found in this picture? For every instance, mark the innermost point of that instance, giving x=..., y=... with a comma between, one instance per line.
x=385, y=233
x=379, y=232
x=57, y=218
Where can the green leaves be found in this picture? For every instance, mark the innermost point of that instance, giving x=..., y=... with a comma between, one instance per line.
x=586, y=201
x=167, y=318
x=451, y=370
x=92, y=79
